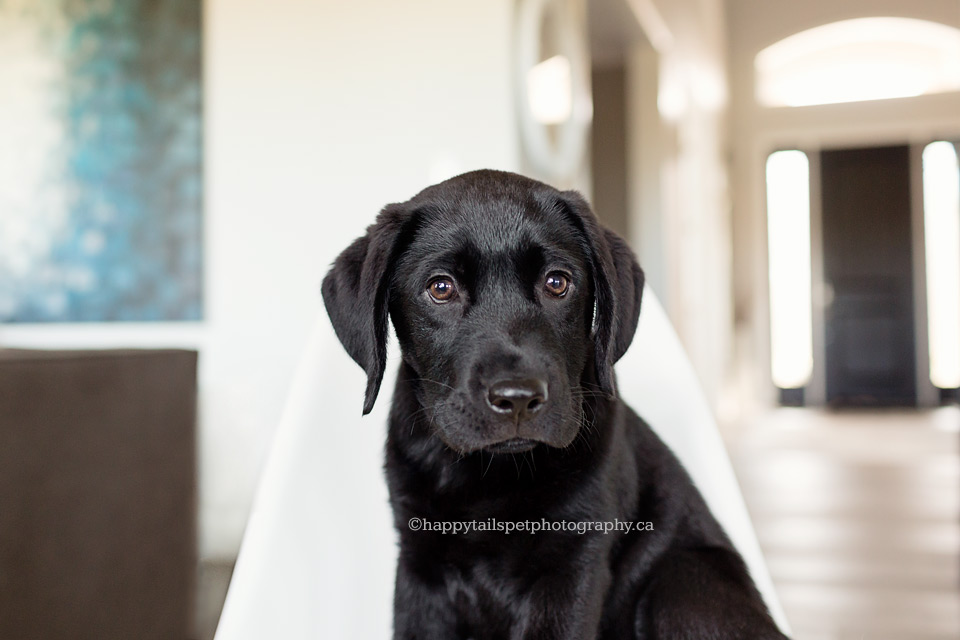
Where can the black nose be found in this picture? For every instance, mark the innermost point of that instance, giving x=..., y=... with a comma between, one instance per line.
x=518, y=399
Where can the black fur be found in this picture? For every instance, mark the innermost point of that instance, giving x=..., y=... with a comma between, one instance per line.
x=580, y=455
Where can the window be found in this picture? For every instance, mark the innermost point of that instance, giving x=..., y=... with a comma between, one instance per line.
x=788, y=237
x=941, y=216
x=860, y=59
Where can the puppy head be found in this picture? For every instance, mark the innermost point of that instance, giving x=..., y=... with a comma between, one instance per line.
x=510, y=302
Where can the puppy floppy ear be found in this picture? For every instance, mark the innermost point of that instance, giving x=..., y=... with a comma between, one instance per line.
x=617, y=285
x=355, y=294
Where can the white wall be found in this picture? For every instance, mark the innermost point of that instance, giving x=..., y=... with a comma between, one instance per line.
x=757, y=131
x=320, y=113
x=317, y=114
x=678, y=174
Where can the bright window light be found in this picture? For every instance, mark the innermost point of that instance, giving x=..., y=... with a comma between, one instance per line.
x=860, y=59
x=550, y=90
x=941, y=229
x=788, y=237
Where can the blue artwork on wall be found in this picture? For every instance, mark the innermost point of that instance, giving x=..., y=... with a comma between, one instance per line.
x=100, y=160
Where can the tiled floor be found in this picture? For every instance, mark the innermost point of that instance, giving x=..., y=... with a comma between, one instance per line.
x=858, y=514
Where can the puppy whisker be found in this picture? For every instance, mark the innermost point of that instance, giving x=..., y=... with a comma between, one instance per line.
x=484, y=474
x=436, y=382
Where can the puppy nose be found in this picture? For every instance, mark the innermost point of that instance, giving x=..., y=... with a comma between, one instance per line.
x=519, y=399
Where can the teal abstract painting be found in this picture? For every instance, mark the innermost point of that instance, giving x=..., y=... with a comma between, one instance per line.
x=101, y=161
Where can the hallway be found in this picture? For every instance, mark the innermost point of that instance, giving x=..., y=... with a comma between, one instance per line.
x=857, y=514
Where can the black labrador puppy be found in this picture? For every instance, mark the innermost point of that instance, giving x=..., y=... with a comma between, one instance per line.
x=509, y=456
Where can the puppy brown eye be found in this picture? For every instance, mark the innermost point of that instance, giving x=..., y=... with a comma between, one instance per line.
x=556, y=284
x=442, y=290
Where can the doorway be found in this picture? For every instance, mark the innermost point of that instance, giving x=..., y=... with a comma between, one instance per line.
x=867, y=245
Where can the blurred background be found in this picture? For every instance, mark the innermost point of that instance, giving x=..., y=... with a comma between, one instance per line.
x=177, y=176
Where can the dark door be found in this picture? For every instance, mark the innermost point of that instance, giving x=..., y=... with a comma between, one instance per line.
x=867, y=261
